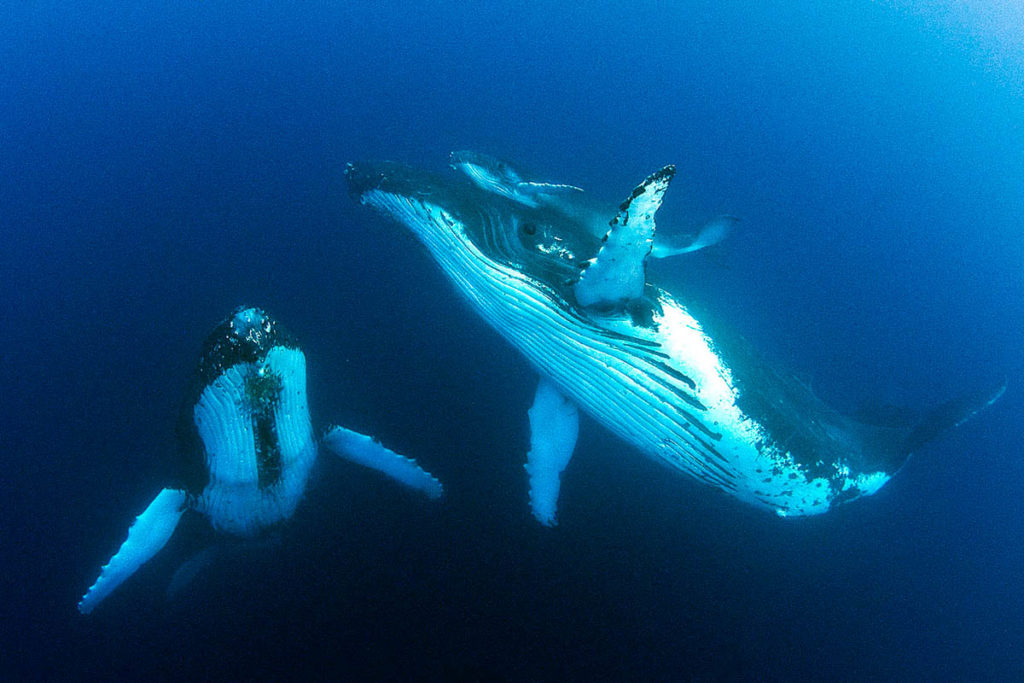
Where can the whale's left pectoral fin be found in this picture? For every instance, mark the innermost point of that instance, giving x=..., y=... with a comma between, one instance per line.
x=146, y=537
x=554, y=426
x=363, y=450
x=617, y=274
x=710, y=234
x=185, y=574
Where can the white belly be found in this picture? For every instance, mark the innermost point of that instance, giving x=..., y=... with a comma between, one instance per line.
x=235, y=500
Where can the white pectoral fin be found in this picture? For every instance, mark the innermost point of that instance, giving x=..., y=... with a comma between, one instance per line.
x=618, y=273
x=363, y=450
x=146, y=537
x=554, y=426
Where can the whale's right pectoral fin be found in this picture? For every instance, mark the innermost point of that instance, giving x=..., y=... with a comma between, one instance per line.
x=146, y=537
x=554, y=425
x=363, y=450
x=616, y=276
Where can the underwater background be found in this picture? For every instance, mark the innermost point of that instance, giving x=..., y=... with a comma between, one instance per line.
x=163, y=163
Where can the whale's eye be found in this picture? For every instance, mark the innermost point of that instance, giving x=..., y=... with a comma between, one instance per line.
x=529, y=228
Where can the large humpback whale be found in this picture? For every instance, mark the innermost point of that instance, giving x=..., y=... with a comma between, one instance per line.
x=248, y=446
x=635, y=357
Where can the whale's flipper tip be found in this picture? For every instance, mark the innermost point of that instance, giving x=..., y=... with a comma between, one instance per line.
x=363, y=450
x=146, y=537
x=554, y=426
x=618, y=273
x=950, y=414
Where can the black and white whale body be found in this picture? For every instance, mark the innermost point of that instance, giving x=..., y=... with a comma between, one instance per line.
x=633, y=356
x=248, y=444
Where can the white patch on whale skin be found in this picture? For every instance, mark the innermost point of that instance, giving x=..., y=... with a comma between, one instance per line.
x=868, y=484
x=233, y=499
x=692, y=352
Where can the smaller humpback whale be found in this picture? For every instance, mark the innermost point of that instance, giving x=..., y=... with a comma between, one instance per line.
x=248, y=445
x=646, y=363
x=501, y=178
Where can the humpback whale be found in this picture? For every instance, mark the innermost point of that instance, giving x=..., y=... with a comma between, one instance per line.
x=502, y=178
x=643, y=362
x=248, y=446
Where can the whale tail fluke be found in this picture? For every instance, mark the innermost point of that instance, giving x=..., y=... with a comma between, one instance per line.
x=948, y=415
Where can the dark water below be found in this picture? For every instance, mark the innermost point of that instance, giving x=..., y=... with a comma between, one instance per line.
x=160, y=166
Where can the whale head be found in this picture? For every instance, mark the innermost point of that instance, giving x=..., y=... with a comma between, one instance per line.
x=245, y=336
x=465, y=224
x=234, y=411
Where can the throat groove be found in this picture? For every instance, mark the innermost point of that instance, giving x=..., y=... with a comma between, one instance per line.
x=268, y=450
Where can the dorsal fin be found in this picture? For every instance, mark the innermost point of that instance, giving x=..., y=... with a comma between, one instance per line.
x=617, y=274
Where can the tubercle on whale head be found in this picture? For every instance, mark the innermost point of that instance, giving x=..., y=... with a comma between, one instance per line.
x=244, y=336
x=249, y=324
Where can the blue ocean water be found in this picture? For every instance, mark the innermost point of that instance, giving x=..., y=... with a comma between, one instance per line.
x=161, y=164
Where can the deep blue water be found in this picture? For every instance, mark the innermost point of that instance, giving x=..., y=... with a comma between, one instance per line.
x=161, y=164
